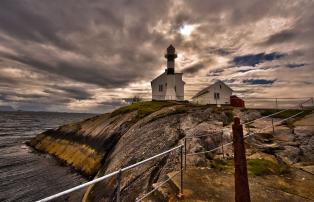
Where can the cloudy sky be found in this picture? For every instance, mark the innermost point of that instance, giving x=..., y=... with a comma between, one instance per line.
x=87, y=56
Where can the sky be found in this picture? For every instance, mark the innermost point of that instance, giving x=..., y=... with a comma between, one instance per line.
x=89, y=56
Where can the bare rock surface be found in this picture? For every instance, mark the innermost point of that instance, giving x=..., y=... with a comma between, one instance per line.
x=137, y=132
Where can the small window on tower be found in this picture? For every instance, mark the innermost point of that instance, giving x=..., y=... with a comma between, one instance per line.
x=220, y=86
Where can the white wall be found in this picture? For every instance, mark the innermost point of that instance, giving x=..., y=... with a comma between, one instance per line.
x=156, y=94
x=224, y=93
x=179, y=87
x=168, y=92
x=209, y=97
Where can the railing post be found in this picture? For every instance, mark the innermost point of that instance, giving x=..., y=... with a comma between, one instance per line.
x=185, y=150
x=181, y=173
x=276, y=104
x=118, y=186
x=242, y=191
x=272, y=124
x=222, y=145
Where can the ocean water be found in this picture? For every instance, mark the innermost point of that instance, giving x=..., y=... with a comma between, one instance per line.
x=27, y=175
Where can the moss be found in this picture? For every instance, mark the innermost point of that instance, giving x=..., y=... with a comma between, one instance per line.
x=143, y=108
x=222, y=165
x=228, y=117
x=259, y=167
x=81, y=157
x=255, y=167
x=178, y=110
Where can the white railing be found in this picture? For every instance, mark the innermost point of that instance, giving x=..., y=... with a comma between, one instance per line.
x=115, y=173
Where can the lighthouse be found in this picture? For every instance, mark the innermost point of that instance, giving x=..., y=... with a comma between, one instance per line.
x=169, y=85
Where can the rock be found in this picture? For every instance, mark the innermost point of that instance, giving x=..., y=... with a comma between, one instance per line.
x=290, y=155
x=305, y=136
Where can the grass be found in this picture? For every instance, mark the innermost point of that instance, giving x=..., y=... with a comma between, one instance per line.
x=285, y=114
x=259, y=167
x=229, y=118
x=143, y=108
x=255, y=167
x=222, y=165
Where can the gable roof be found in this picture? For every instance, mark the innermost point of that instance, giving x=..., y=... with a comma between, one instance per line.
x=164, y=73
x=205, y=90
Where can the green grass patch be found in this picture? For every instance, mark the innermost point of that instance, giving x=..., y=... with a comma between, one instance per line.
x=255, y=167
x=222, y=165
x=228, y=118
x=285, y=114
x=259, y=167
x=143, y=108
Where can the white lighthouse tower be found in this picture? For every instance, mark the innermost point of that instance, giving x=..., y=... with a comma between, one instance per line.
x=169, y=85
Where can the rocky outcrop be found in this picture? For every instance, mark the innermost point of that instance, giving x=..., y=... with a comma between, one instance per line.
x=108, y=142
x=112, y=141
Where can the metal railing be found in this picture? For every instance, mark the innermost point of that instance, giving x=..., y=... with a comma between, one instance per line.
x=277, y=103
x=118, y=173
x=248, y=134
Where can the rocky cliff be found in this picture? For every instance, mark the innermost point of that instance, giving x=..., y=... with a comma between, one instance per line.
x=111, y=141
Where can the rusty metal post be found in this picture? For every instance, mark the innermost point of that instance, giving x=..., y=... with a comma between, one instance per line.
x=118, y=186
x=222, y=144
x=185, y=150
x=272, y=124
x=242, y=191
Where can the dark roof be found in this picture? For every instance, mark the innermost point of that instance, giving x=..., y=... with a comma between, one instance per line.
x=171, y=49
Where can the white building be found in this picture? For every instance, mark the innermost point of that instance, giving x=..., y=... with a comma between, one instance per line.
x=217, y=93
x=169, y=85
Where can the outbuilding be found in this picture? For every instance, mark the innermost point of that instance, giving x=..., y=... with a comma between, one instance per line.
x=217, y=93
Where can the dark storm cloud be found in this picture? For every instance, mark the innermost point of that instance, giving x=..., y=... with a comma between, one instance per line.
x=193, y=68
x=216, y=72
x=296, y=65
x=96, y=51
x=20, y=20
x=281, y=37
x=221, y=51
x=254, y=59
x=258, y=81
x=69, y=92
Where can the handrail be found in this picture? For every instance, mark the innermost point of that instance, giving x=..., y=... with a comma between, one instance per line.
x=249, y=122
x=106, y=176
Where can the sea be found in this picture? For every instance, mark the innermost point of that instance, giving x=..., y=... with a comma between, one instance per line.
x=25, y=174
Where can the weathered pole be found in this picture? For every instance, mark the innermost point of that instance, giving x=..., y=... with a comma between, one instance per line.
x=222, y=144
x=242, y=191
x=118, y=186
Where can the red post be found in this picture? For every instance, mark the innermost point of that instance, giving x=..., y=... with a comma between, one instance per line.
x=242, y=191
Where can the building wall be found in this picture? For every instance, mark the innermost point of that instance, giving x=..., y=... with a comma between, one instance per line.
x=179, y=84
x=156, y=94
x=202, y=99
x=224, y=94
x=173, y=87
x=209, y=97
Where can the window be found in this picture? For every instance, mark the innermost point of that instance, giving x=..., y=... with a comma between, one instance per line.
x=220, y=86
x=160, y=88
x=175, y=88
x=216, y=96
